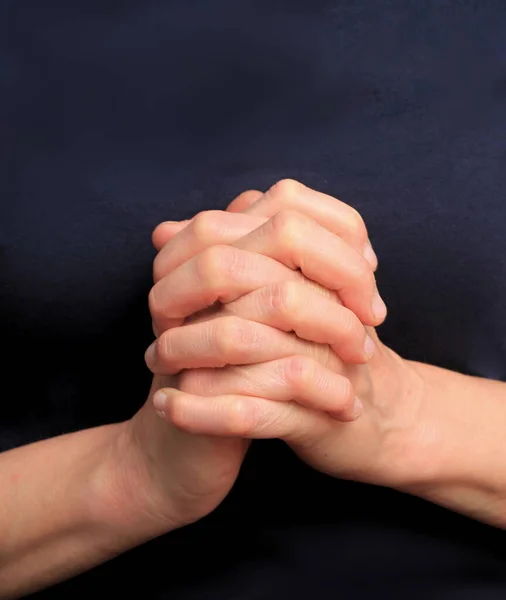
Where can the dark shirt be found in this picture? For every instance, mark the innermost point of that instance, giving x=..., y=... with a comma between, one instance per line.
x=119, y=115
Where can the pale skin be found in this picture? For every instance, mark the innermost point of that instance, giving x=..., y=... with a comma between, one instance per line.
x=277, y=263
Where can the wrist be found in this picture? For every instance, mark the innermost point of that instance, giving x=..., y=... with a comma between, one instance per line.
x=438, y=436
x=401, y=463
x=127, y=503
x=426, y=442
x=457, y=446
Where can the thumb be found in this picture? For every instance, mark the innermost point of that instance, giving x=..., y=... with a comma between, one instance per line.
x=234, y=415
x=244, y=201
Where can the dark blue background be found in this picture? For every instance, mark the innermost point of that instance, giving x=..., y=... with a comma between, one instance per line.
x=118, y=115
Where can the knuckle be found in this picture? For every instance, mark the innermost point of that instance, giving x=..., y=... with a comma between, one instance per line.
x=300, y=371
x=240, y=419
x=350, y=326
x=204, y=225
x=285, y=189
x=225, y=334
x=284, y=297
x=235, y=337
x=287, y=225
x=213, y=264
x=164, y=347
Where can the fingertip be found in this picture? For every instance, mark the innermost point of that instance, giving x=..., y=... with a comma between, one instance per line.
x=379, y=309
x=150, y=357
x=357, y=409
x=244, y=201
x=351, y=355
x=352, y=414
x=369, y=347
x=156, y=329
x=357, y=354
x=370, y=255
x=165, y=232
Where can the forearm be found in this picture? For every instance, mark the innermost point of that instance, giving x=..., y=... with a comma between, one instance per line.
x=59, y=512
x=462, y=460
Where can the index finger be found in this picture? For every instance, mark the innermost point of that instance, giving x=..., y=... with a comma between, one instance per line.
x=329, y=212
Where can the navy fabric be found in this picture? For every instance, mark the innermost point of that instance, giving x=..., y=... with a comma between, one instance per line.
x=118, y=115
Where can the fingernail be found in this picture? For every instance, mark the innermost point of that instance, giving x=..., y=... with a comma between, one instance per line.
x=379, y=307
x=357, y=409
x=160, y=402
x=370, y=255
x=369, y=346
x=150, y=355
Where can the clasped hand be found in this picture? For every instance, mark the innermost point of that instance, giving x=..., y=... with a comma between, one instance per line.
x=264, y=317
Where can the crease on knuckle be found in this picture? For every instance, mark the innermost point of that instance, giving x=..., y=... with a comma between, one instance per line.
x=284, y=299
x=300, y=371
x=350, y=327
x=164, y=347
x=235, y=337
x=219, y=265
x=240, y=417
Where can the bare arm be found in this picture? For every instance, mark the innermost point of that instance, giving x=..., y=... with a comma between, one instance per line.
x=75, y=501
x=58, y=510
x=462, y=463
